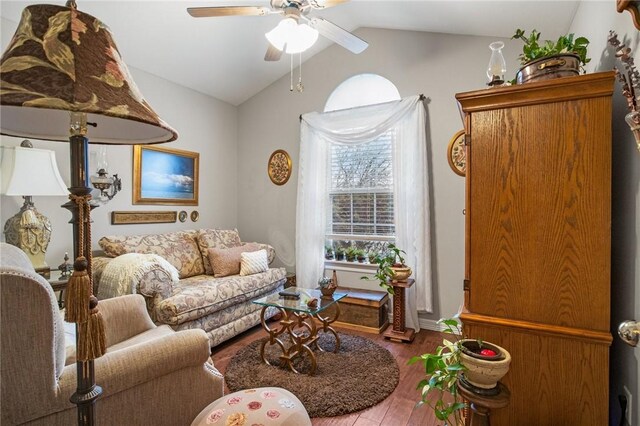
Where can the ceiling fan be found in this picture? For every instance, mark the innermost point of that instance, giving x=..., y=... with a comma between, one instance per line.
x=295, y=16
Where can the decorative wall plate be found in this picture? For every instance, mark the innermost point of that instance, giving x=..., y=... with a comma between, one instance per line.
x=457, y=154
x=279, y=167
x=195, y=216
x=182, y=216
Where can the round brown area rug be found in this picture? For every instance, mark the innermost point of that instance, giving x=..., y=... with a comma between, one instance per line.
x=359, y=376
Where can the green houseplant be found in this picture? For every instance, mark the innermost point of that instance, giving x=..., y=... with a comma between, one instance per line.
x=391, y=267
x=550, y=59
x=480, y=364
x=328, y=252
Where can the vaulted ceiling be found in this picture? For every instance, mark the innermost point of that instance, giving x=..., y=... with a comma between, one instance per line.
x=223, y=57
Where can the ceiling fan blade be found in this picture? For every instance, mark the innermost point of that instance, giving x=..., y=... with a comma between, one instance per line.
x=339, y=35
x=206, y=12
x=323, y=4
x=273, y=54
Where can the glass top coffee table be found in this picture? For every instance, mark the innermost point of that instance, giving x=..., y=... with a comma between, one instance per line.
x=299, y=321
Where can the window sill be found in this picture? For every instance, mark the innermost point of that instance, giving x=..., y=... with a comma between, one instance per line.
x=343, y=265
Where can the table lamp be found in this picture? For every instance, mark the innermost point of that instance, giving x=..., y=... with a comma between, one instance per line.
x=60, y=74
x=29, y=229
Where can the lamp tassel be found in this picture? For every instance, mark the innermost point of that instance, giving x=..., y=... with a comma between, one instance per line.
x=81, y=304
x=92, y=342
x=77, y=293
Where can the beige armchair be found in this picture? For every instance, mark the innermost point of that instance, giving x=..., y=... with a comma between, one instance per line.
x=149, y=375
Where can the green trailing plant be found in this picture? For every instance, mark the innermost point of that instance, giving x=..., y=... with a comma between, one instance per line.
x=535, y=49
x=385, y=261
x=441, y=370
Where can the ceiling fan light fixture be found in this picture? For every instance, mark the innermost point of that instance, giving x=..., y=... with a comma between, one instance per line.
x=297, y=37
x=280, y=35
x=303, y=39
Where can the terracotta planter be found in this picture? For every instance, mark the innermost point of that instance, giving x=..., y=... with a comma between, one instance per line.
x=400, y=274
x=566, y=65
x=484, y=371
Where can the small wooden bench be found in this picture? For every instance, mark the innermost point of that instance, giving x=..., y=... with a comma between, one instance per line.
x=364, y=310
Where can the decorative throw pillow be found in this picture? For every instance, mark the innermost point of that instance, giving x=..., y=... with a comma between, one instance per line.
x=216, y=238
x=253, y=262
x=226, y=261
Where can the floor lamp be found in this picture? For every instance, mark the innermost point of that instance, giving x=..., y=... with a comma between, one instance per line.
x=60, y=75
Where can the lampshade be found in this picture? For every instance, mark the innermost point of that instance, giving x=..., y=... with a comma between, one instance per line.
x=19, y=176
x=61, y=60
x=296, y=37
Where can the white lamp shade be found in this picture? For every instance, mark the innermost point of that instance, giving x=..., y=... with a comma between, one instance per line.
x=304, y=37
x=297, y=38
x=281, y=34
x=30, y=171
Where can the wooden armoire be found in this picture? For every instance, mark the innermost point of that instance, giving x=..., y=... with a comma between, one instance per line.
x=538, y=243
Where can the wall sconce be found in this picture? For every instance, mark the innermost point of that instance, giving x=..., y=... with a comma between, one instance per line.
x=630, y=80
x=108, y=186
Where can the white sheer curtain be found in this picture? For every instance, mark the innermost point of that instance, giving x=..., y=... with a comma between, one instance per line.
x=406, y=118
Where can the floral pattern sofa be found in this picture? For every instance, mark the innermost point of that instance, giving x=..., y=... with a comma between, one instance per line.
x=222, y=307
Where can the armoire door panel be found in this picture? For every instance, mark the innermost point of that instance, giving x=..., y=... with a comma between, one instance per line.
x=539, y=213
x=545, y=391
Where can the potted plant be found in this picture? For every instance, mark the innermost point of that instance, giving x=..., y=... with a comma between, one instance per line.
x=475, y=362
x=328, y=252
x=548, y=59
x=391, y=268
x=351, y=254
x=372, y=256
x=340, y=253
x=327, y=286
x=360, y=255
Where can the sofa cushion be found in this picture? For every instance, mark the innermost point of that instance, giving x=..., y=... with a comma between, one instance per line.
x=253, y=262
x=226, y=261
x=216, y=238
x=196, y=297
x=178, y=248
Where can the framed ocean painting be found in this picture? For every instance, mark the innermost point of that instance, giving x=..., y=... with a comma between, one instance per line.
x=165, y=176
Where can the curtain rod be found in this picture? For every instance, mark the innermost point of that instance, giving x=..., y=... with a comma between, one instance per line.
x=421, y=97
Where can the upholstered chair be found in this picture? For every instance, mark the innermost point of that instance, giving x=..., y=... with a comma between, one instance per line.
x=149, y=375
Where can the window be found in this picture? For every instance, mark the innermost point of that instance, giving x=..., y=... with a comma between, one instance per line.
x=361, y=194
x=360, y=177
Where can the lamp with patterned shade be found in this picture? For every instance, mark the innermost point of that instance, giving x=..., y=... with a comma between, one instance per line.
x=60, y=74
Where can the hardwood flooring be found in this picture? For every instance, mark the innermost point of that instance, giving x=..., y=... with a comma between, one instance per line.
x=396, y=410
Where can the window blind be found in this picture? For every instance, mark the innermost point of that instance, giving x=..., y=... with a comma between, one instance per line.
x=361, y=191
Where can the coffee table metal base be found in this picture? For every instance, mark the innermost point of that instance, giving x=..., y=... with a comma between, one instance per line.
x=303, y=336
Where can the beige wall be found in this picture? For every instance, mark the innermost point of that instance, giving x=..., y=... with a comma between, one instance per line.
x=205, y=125
x=594, y=20
x=436, y=65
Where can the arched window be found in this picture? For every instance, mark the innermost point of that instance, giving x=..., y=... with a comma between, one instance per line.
x=360, y=90
x=361, y=207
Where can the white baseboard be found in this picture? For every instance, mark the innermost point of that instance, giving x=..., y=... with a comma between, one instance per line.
x=432, y=325
x=424, y=323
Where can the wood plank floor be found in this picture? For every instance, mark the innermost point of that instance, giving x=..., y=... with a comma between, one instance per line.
x=396, y=410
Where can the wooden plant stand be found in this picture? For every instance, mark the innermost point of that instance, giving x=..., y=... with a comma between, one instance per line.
x=399, y=333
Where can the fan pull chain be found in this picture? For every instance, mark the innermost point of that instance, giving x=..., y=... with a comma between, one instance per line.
x=300, y=87
x=291, y=76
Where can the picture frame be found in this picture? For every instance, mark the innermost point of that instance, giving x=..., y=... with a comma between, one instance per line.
x=141, y=217
x=165, y=176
